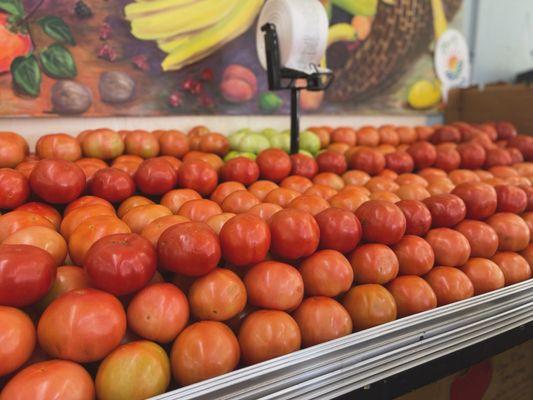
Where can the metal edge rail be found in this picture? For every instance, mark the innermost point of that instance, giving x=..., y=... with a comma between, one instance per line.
x=359, y=359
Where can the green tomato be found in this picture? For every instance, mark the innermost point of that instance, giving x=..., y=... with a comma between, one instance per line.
x=302, y=151
x=282, y=141
x=309, y=141
x=231, y=155
x=251, y=156
x=253, y=143
x=269, y=133
x=235, y=138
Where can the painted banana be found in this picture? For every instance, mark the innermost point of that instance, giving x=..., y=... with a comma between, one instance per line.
x=145, y=8
x=206, y=42
x=190, y=17
x=341, y=32
x=439, y=18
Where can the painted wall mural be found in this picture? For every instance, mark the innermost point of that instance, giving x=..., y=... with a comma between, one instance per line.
x=184, y=57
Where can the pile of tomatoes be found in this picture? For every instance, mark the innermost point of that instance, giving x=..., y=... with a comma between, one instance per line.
x=134, y=262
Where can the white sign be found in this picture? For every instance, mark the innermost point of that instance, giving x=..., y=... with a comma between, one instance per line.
x=452, y=61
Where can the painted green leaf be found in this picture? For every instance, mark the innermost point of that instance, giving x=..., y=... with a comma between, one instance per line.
x=26, y=75
x=58, y=62
x=13, y=7
x=57, y=29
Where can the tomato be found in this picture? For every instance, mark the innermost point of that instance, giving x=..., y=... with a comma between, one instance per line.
x=224, y=189
x=380, y=183
x=141, y=143
x=515, y=268
x=158, y=312
x=42, y=237
x=281, y=196
x=412, y=295
x=415, y=255
x=472, y=155
x=16, y=220
x=303, y=165
x=245, y=239
x=424, y=154
x=260, y=189
x=82, y=325
x=26, y=167
x=529, y=194
x=26, y=274
x=267, y=334
x=485, y=275
x=326, y=273
x=155, y=229
x=155, y=176
x=354, y=177
x=295, y=234
x=86, y=201
x=322, y=134
x=240, y=169
x=442, y=240
x=139, y=217
x=89, y=231
x=368, y=160
x=385, y=196
x=128, y=167
x=174, y=199
x=349, y=201
x=216, y=222
x=407, y=134
x=17, y=339
x=446, y=210
x=199, y=176
x=512, y=231
x=204, y=350
x=497, y=157
x=399, y=162
x=57, y=181
x=480, y=199
x=311, y=204
x=449, y=284
x=440, y=186
x=55, y=379
x=112, y=185
x=14, y=189
x=367, y=136
x=344, y=135
x=446, y=134
x=199, y=210
x=44, y=210
x=369, y=305
x=388, y=135
x=382, y=222
x=214, y=143
x=411, y=179
x=265, y=211
x=460, y=176
x=13, y=149
x=321, y=319
x=374, y=263
x=274, y=164
x=339, y=229
x=191, y=249
x=481, y=236
x=412, y=191
x=104, y=144
x=323, y=191
x=527, y=253
x=218, y=296
x=330, y=179
x=78, y=215
x=239, y=202
x=173, y=143
x=67, y=278
x=58, y=145
x=211, y=159
x=330, y=161
x=511, y=199
x=120, y=264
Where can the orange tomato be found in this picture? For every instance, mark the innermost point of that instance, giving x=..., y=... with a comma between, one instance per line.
x=75, y=217
x=224, y=189
x=311, y=204
x=265, y=211
x=485, y=275
x=369, y=305
x=374, y=263
x=131, y=203
x=86, y=201
x=42, y=237
x=44, y=210
x=449, y=284
x=412, y=295
x=199, y=210
x=67, y=278
x=239, y=202
x=260, y=189
x=154, y=229
x=326, y=273
x=139, y=217
x=297, y=183
x=515, y=268
x=415, y=255
x=16, y=220
x=174, y=199
x=442, y=240
x=281, y=196
x=17, y=339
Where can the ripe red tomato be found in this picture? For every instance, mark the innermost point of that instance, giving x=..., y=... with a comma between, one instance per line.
x=515, y=268
x=218, y=296
x=330, y=161
x=339, y=230
x=480, y=199
x=155, y=176
x=121, y=264
x=472, y=155
x=449, y=284
x=224, y=189
x=240, y=169
x=130, y=167
x=321, y=319
x=245, y=240
x=265, y=211
x=311, y=204
x=382, y=222
x=511, y=199
x=399, y=162
x=155, y=229
x=199, y=176
x=326, y=273
x=412, y=295
x=407, y=134
x=296, y=183
x=442, y=240
x=173, y=143
x=295, y=234
x=415, y=255
x=45, y=238
x=424, y=154
x=140, y=217
x=274, y=164
x=367, y=160
x=367, y=136
x=199, y=210
x=512, y=231
x=112, y=185
x=303, y=165
x=446, y=210
x=57, y=181
x=260, y=189
x=58, y=145
x=103, y=144
x=26, y=274
x=484, y=274
x=374, y=263
x=67, y=278
x=216, y=222
x=274, y=285
x=54, y=379
x=369, y=305
x=266, y=334
x=344, y=135
x=214, y=143
x=204, y=350
x=388, y=135
x=26, y=167
x=481, y=236
x=17, y=339
x=14, y=189
x=239, y=202
x=141, y=143
x=159, y=312
x=123, y=372
x=497, y=156
x=191, y=249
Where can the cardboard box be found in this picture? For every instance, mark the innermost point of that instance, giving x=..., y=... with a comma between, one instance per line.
x=509, y=102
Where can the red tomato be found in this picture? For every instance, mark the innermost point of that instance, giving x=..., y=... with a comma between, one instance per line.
x=240, y=169
x=382, y=222
x=296, y=183
x=26, y=167
x=141, y=143
x=104, y=144
x=86, y=201
x=155, y=176
x=199, y=176
x=407, y=134
x=446, y=210
x=339, y=230
x=344, y=135
x=527, y=253
x=367, y=136
x=120, y=264
x=447, y=159
x=83, y=325
x=274, y=164
x=112, y=185
x=424, y=154
x=446, y=133
x=497, y=156
x=239, y=202
x=57, y=181
x=388, y=135
x=245, y=240
x=140, y=217
x=173, y=143
x=128, y=167
x=321, y=319
x=485, y=275
x=311, y=204
x=267, y=334
x=329, y=179
x=281, y=196
x=330, y=161
x=224, y=189
x=17, y=339
x=16, y=220
x=216, y=222
x=14, y=189
x=367, y=160
x=480, y=199
x=55, y=379
x=13, y=149
x=326, y=273
x=481, y=236
x=191, y=249
x=45, y=238
x=58, y=145
x=374, y=263
x=199, y=210
x=449, y=284
x=442, y=240
x=218, y=296
x=265, y=211
x=511, y=199
x=295, y=234
x=158, y=312
x=415, y=255
x=155, y=229
x=323, y=191
x=67, y=278
x=123, y=372
x=211, y=159
x=214, y=143
x=369, y=305
x=174, y=162
x=512, y=231
x=399, y=162
x=26, y=274
x=303, y=165
x=472, y=155
x=515, y=268
x=274, y=285
x=260, y=189
x=204, y=350
x=412, y=295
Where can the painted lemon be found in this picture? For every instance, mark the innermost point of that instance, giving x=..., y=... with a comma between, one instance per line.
x=424, y=94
